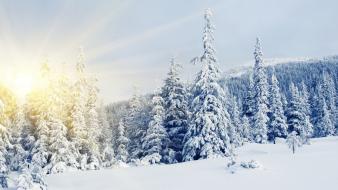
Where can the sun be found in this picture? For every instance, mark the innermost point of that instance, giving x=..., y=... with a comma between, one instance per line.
x=22, y=84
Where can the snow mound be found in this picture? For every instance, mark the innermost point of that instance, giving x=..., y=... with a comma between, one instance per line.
x=251, y=164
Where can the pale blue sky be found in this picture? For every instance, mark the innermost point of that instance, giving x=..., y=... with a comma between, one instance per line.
x=131, y=42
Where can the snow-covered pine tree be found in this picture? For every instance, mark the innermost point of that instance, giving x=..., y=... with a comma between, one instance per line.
x=77, y=131
x=176, y=110
x=249, y=101
x=328, y=92
x=39, y=114
x=260, y=118
x=306, y=98
x=62, y=151
x=25, y=180
x=84, y=125
x=105, y=138
x=293, y=141
x=4, y=142
x=38, y=175
x=323, y=126
x=156, y=140
x=207, y=135
x=277, y=126
x=297, y=120
x=122, y=143
x=92, y=122
x=135, y=128
x=17, y=152
x=284, y=102
x=305, y=104
x=246, y=135
x=235, y=130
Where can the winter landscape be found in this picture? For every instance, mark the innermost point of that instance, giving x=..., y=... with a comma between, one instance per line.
x=85, y=118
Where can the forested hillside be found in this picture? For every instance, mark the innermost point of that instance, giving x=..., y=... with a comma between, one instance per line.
x=310, y=71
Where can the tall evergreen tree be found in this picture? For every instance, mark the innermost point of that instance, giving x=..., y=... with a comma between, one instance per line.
x=92, y=123
x=176, y=110
x=277, y=126
x=136, y=127
x=249, y=101
x=25, y=180
x=306, y=98
x=260, y=118
x=156, y=139
x=298, y=121
x=62, y=151
x=236, y=128
x=246, y=134
x=40, y=115
x=77, y=132
x=4, y=142
x=207, y=135
x=328, y=91
x=323, y=125
x=105, y=138
x=17, y=152
x=84, y=125
x=122, y=143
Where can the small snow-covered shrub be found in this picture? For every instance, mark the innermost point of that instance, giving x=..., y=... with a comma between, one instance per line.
x=59, y=168
x=280, y=140
x=250, y=165
x=94, y=163
x=135, y=162
x=121, y=164
x=24, y=182
x=293, y=141
x=151, y=159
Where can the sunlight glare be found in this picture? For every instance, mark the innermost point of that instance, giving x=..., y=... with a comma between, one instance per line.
x=23, y=84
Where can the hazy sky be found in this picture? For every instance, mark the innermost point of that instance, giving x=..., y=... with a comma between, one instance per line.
x=130, y=42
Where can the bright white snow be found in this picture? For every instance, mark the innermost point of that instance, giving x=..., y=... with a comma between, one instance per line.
x=313, y=166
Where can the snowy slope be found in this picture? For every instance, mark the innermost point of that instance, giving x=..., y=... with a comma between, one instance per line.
x=314, y=166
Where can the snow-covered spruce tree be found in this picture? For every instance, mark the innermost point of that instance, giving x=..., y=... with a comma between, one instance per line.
x=245, y=129
x=207, y=135
x=306, y=97
x=122, y=143
x=105, y=138
x=39, y=114
x=260, y=118
x=38, y=176
x=284, y=102
x=235, y=130
x=249, y=101
x=62, y=152
x=77, y=130
x=323, y=126
x=84, y=128
x=293, y=141
x=4, y=142
x=297, y=120
x=156, y=140
x=17, y=152
x=93, y=128
x=277, y=126
x=176, y=111
x=135, y=128
x=328, y=91
x=25, y=180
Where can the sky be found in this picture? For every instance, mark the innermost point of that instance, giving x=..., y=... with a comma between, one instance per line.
x=129, y=43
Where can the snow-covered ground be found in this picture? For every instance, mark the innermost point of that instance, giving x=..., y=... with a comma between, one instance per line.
x=313, y=166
